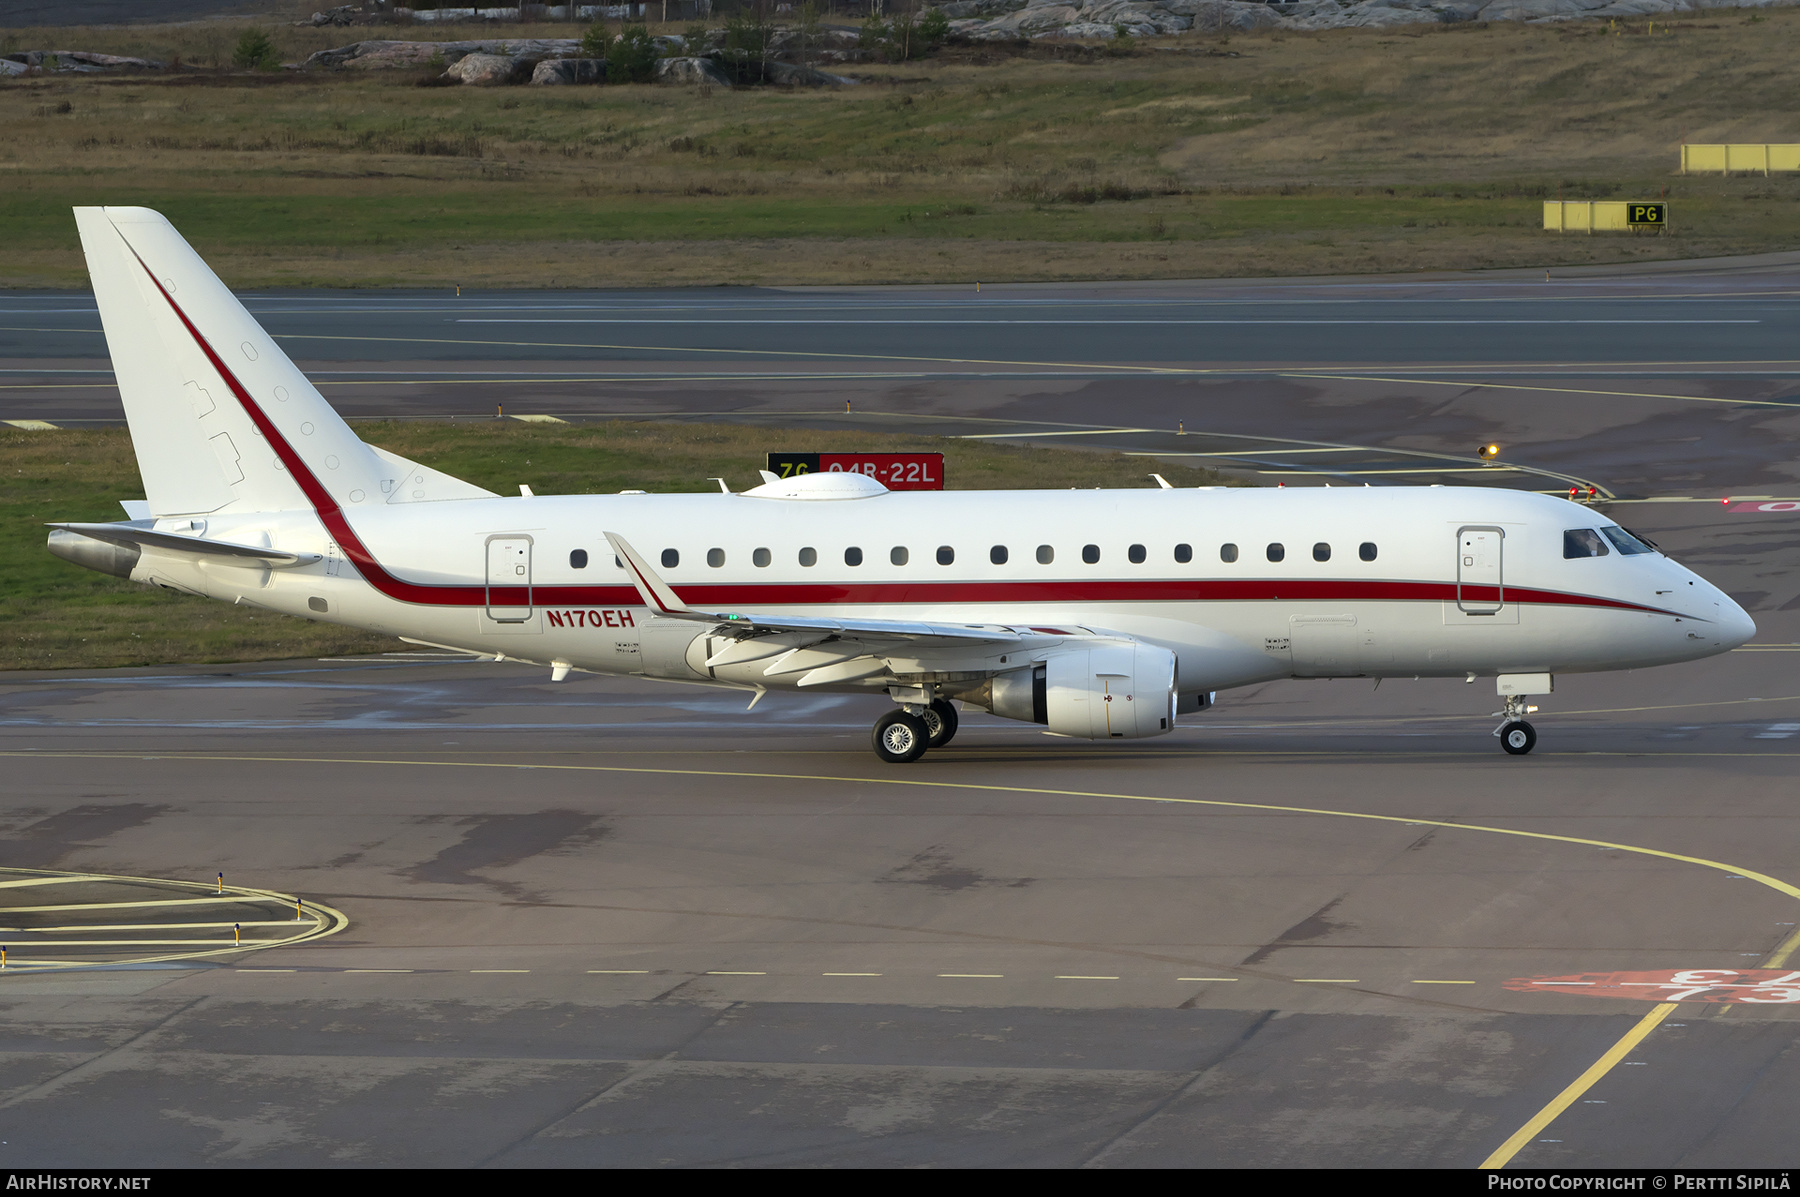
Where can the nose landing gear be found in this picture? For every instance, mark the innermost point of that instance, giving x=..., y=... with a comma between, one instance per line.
x=1516, y=736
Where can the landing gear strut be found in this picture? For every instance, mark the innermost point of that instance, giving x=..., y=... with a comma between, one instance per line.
x=1516, y=736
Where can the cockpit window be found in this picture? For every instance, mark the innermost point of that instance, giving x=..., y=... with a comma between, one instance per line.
x=1583, y=542
x=1625, y=542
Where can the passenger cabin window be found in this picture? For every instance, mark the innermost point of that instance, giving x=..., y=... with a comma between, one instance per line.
x=1582, y=542
x=670, y=558
x=761, y=558
x=1184, y=553
x=1366, y=550
x=945, y=554
x=898, y=555
x=1627, y=544
x=715, y=557
x=1045, y=554
x=1135, y=554
x=1276, y=552
x=1228, y=553
x=809, y=557
x=578, y=559
x=1090, y=553
x=1321, y=552
x=852, y=556
x=997, y=554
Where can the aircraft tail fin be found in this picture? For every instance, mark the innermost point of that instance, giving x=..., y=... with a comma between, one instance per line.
x=220, y=418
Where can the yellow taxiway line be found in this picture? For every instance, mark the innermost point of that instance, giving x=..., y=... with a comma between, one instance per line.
x=1500, y=1156
x=1580, y=1085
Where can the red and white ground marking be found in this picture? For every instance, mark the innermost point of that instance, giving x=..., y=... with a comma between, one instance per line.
x=1763, y=507
x=1756, y=986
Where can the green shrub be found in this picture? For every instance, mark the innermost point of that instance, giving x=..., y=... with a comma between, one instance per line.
x=596, y=42
x=255, y=52
x=748, y=36
x=904, y=38
x=811, y=30
x=632, y=57
x=694, y=40
x=875, y=36
x=745, y=58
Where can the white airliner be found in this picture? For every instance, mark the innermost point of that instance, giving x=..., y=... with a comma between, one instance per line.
x=1099, y=614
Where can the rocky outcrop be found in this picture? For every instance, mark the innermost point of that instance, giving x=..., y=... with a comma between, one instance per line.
x=690, y=71
x=488, y=70
x=74, y=62
x=998, y=20
x=386, y=55
x=553, y=72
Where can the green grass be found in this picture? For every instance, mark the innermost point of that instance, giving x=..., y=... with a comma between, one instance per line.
x=55, y=615
x=1343, y=151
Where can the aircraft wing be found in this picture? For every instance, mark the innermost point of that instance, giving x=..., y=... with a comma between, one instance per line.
x=662, y=599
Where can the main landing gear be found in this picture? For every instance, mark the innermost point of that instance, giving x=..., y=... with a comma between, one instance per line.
x=1516, y=736
x=903, y=735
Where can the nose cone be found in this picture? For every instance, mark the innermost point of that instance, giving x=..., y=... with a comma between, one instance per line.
x=1735, y=625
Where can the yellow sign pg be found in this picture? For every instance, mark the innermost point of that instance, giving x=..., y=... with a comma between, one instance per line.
x=1653, y=215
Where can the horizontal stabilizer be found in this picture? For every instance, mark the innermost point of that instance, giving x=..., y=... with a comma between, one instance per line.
x=125, y=534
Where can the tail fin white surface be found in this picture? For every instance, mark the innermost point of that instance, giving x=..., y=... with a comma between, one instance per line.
x=195, y=370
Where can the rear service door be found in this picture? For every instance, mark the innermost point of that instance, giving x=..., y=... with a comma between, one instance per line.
x=509, y=579
x=1480, y=578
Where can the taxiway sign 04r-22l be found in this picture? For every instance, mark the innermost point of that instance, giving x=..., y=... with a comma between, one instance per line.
x=1099, y=614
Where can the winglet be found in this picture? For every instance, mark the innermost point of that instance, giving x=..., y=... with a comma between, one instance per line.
x=655, y=592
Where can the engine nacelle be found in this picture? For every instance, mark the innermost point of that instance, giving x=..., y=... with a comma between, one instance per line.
x=1113, y=690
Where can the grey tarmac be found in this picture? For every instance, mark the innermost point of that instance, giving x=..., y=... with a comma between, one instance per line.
x=610, y=922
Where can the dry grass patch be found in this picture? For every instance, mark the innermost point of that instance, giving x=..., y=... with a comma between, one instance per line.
x=1306, y=153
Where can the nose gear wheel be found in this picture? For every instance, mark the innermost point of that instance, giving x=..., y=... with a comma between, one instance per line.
x=1518, y=737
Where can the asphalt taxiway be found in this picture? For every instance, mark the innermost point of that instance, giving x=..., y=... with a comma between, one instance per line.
x=1679, y=380
x=614, y=922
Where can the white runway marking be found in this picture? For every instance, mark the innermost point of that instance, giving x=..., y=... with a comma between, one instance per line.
x=1033, y=323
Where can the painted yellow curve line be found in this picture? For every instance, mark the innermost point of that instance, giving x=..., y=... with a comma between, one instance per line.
x=1774, y=883
x=324, y=919
x=1500, y=1156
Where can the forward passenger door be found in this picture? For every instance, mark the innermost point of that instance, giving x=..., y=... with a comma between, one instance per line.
x=1480, y=573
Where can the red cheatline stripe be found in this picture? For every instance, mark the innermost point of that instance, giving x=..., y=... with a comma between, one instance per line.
x=717, y=596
